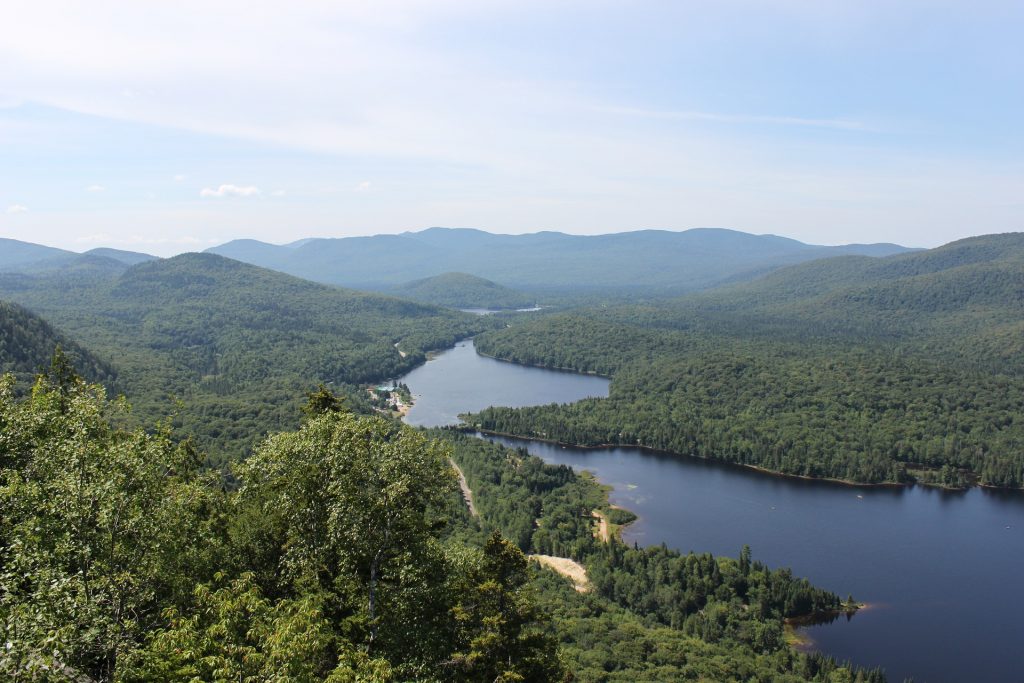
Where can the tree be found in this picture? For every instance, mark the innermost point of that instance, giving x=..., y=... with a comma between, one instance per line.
x=354, y=504
x=235, y=634
x=323, y=400
x=95, y=524
x=499, y=623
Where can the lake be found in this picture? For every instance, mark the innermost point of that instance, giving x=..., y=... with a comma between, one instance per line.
x=941, y=571
x=459, y=380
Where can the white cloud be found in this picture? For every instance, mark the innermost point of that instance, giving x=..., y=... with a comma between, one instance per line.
x=179, y=177
x=363, y=186
x=17, y=208
x=278, y=193
x=95, y=188
x=230, y=191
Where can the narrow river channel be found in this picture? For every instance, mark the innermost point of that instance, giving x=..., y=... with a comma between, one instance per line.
x=941, y=571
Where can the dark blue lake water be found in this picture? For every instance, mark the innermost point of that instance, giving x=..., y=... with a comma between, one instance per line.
x=942, y=572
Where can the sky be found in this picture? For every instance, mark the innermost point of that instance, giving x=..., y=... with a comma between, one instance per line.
x=174, y=126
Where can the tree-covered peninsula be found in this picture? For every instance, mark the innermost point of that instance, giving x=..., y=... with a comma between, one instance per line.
x=906, y=368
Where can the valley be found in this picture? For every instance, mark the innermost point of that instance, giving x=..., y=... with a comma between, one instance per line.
x=655, y=427
x=836, y=535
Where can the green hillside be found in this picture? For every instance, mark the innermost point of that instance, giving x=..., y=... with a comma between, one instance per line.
x=873, y=370
x=461, y=290
x=27, y=344
x=239, y=344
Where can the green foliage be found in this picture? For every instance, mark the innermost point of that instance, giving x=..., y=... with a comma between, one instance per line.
x=99, y=530
x=808, y=372
x=27, y=343
x=352, y=502
x=460, y=290
x=620, y=517
x=321, y=401
x=499, y=621
x=234, y=633
x=544, y=509
x=238, y=345
x=120, y=561
x=653, y=614
x=605, y=643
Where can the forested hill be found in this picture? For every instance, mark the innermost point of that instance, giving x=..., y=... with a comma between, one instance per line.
x=644, y=261
x=873, y=370
x=964, y=299
x=982, y=270
x=238, y=343
x=461, y=290
x=27, y=345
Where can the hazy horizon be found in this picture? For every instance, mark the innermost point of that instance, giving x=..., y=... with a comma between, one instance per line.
x=178, y=127
x=172, y=251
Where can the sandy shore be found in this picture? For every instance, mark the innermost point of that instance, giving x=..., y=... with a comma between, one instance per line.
x=568, y=568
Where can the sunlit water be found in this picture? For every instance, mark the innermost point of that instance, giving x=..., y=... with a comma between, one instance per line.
x=942, y=572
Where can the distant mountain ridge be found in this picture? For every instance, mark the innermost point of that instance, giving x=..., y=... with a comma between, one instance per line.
x=645, y=259
x=25, y=257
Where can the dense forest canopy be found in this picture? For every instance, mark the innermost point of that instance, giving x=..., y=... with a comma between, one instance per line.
x=461, y=290
x=236, y=343
x=346, y=555
x=869, y=370
x=28, y=343
x=339, y=548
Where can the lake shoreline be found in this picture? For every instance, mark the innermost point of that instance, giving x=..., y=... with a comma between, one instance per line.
x=830, y=532
x=755, y=468
x=761, y=470
x=553, y=368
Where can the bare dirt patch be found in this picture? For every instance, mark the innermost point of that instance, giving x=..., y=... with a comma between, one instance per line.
x=568, y=568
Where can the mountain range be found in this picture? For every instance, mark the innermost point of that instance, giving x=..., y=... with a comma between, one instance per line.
x=642, y=260
x=25, y=257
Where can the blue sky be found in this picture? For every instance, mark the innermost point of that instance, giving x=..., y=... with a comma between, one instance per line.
x=174, y=126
